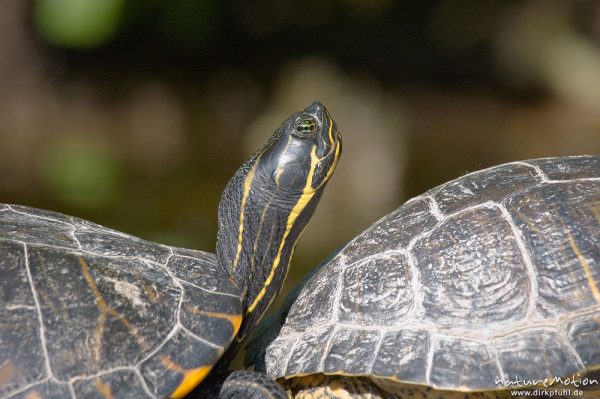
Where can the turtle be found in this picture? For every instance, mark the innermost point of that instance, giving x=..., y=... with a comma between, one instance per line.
x=484, y=285
x=90, y=312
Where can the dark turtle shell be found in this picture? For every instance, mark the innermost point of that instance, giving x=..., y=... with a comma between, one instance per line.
x=490, y=277
x=86, y=311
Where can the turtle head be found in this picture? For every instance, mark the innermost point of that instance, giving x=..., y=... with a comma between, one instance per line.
x=268, y=203
x=300, y=157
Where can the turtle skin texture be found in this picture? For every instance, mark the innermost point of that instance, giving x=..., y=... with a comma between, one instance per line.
x=487, y=280
x=88, y=312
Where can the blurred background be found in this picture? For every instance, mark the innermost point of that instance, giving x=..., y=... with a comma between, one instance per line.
x=135, y=113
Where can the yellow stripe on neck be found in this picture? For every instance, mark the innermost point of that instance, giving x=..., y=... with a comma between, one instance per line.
x=307, y=193
x=245, y=193
x=330, y=130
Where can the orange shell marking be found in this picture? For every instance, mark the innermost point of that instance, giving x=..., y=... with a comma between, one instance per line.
x=191, y=379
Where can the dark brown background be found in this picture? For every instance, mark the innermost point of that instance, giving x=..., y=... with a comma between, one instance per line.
x=134, y=114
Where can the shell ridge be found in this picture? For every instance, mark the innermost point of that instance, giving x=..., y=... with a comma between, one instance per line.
x=568, y=345
x=145, y=386
x=177, y=283
x=334, y=320
x=184, y=282
x=77, y=251
x=382, y=334
x=327, y=348
x=494, y=353
x=170, y=335
x=38, y=308
x=434, y=207
x=72, y=391
x=482, y=205
x=173, y=254
x=200, y=339
x=102, y=373
x=580, y=179
x=20, y=212
x=338, y=290
x=73, y=234
x=567, y=317
x=26, y=387
x=563, y=322
x=530, y=267
x=73, y=226
x=538, y=170
x=289, y=356
x=180, y=302
x=418, y=295
x=99, y=373
x=419, y=325
x=430, y=353
x=435, y=190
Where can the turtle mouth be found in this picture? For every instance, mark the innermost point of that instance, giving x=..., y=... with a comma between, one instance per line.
x=336, y=148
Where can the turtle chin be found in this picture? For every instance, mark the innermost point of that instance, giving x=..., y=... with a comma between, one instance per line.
x=326, y=167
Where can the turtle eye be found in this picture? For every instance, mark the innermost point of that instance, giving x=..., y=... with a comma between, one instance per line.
x=305, y=127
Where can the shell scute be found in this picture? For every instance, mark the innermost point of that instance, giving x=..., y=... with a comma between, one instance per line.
x=393, y=232
x=351, y=350
x=276, y=356
x=44, y=390
x=403, y=355
x=316, y=306
x=308, y=351
x=98, y=300
x=476, y=188
x=105, y=243
x=569, y=168
x=209, y=315
x=201, y=269
x=182, y=354
x=462, y=363
x=559, y=224
x=377, y=290
x=584, y=333
x=535, y=354
x=472, y=271
x=17, y=226
x=115, y=384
